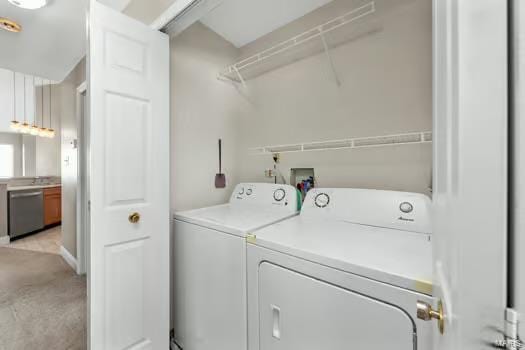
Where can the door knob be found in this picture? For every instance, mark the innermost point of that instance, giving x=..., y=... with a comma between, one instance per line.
x=425, y=312
x=134, y=218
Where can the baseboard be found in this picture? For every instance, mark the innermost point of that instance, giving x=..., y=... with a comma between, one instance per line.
x=70, y=259
x=5, y=240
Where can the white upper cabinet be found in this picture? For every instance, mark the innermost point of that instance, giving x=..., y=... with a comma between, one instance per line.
x=7, y=101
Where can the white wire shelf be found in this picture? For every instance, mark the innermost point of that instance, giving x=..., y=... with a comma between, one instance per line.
x=235, y=71
x=360, y=142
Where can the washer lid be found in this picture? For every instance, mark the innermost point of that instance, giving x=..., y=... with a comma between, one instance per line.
x=234, y=219
x=400, y=258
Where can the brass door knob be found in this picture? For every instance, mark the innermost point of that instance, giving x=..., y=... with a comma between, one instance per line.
x=425, y=312
x=134, y=218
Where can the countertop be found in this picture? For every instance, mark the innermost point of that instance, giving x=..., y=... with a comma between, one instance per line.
x=31, y=187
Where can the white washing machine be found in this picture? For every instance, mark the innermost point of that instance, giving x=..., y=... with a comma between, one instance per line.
x=345, y=274
x=209, y=265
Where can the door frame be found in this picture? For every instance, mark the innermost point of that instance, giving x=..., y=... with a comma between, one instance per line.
x=82, y=211
x=517, y=157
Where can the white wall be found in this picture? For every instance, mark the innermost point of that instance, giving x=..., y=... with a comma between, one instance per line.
x=48, y=155
x=6, y=99
x=16, y=141
x=68, y=154
x=386, y=89
x=203, y=110
x=147, y=11
x=29, y=145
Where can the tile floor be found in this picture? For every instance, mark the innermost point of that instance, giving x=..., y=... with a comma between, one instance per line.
x=48, y=241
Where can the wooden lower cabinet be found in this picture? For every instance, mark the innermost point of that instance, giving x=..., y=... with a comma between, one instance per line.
x=52, y=205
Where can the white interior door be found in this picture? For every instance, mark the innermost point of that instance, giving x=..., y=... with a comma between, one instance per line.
x=470, y=170
x=128, y=92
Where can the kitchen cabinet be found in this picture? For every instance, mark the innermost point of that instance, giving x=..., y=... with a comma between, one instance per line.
x=7, y=98
x=52, y=205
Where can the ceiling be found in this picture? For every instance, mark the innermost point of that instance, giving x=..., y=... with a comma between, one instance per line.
x=243, y=21
x=52, y=40
x=146, y=11
x=118, y=5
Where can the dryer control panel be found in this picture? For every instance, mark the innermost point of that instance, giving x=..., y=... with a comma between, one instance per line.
x=390, y=209
x=264, y=194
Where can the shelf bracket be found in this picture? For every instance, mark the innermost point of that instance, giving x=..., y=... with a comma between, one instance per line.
x=239, y=75
x=330, y=61
x=222, y=77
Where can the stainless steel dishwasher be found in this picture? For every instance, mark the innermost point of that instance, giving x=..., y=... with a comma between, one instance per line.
x=26, y=211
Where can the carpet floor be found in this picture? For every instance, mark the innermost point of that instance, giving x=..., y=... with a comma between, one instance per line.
x=42, y=302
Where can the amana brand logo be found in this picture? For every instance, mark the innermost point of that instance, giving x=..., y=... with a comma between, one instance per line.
x=405, y=219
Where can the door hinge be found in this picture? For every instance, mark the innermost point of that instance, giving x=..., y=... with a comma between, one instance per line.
x=512, y=338
x=510, y=334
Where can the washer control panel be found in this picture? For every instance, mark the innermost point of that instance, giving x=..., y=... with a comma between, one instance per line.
x=264, y=194
x=279, y=194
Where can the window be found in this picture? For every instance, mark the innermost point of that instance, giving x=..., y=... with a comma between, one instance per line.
x=6, y=161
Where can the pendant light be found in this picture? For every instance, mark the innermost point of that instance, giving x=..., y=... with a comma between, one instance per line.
x=51, y=131
x=34, y=128
x=42, y=131
x=29, y=4
x=15, y=124
x=25, y=128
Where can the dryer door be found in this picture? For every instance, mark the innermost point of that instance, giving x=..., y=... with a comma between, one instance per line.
x=298, y=312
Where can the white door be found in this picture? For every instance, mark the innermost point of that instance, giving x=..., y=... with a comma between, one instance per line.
x=470, y=170
x=128, y=92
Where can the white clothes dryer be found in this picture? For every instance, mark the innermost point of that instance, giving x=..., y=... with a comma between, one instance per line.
x=345, y=274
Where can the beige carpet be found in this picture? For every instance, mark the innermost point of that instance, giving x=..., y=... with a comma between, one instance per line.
x=42, y=302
